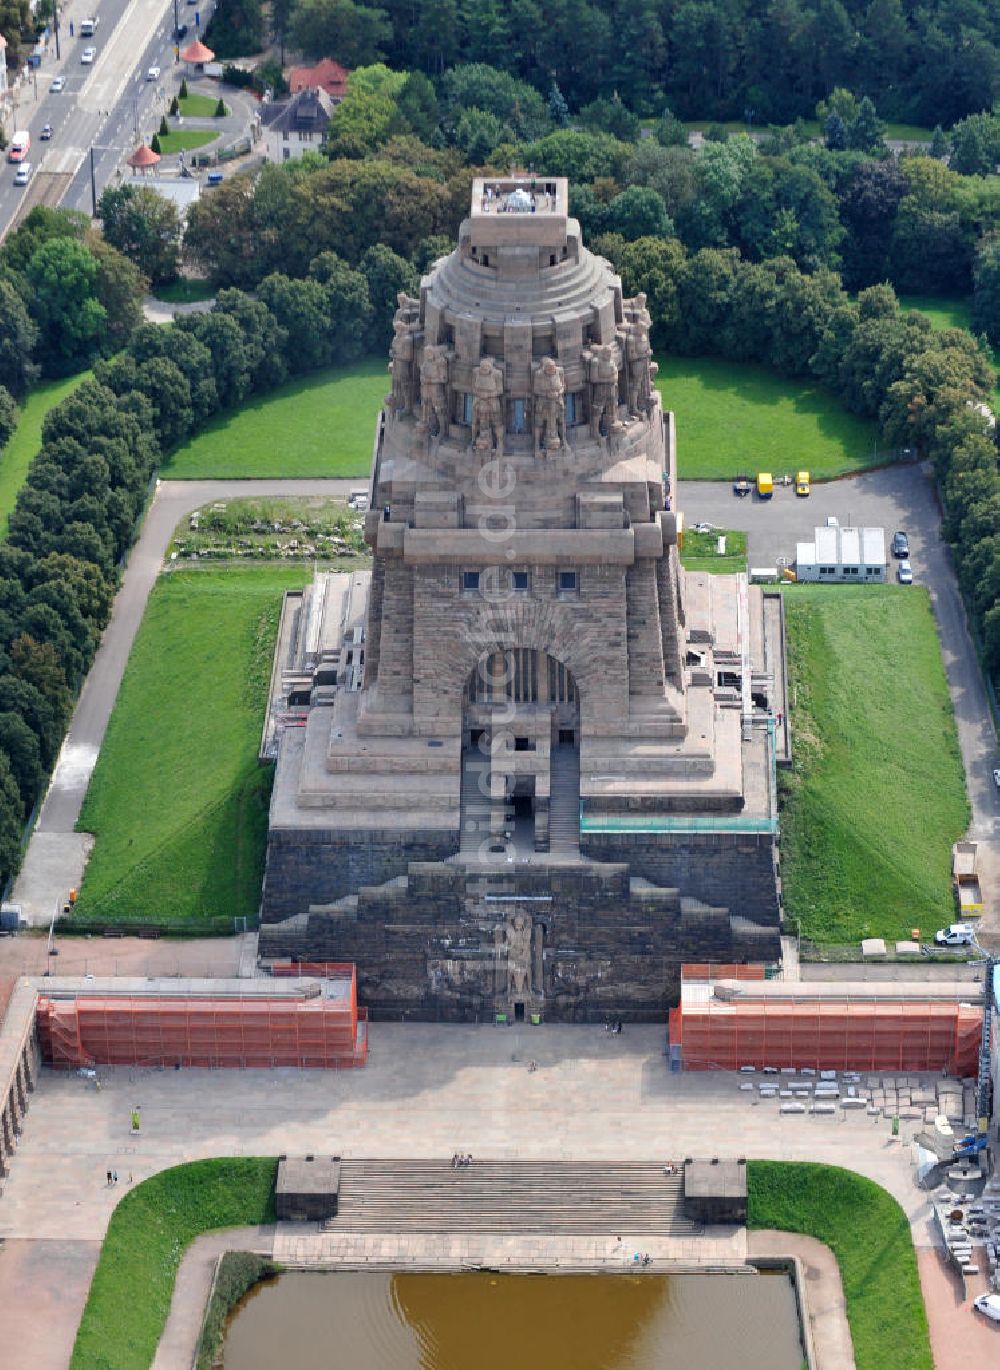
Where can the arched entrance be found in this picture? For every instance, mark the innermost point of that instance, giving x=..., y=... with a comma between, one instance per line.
x=520, y=760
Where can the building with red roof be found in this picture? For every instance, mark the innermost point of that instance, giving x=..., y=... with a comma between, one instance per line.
x=327, y=75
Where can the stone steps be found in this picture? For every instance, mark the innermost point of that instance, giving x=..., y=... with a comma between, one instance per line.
x=513, y=1196
x=564, y=800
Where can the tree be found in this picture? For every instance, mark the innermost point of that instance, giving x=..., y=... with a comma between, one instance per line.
x=670, y=132
x=478, y=133
x=145, y=226
x=386, y=274
x=611, y=116
x=835, y=132
x=231, y=368
x=512, y=102
x=8, y=416
x=11, y=821
x=263, y=337
x=183, y=92
x=975, y=145
x=154, y=144
x=281, y=17
x=22, y=748
x=639, y=212
x=164, y=128
x=986, y=294
x=865, y=132
x=417, y=108
x=654, y=266
x=18, y=339
x=940, y=144
x=347, y=301
x=235, y=29
x=41, y=225
x=175, y=108
x=38, y=663
x=302, y=310
x=355, y=34
x=120, y=288
x=71, y=321
x=558, y=108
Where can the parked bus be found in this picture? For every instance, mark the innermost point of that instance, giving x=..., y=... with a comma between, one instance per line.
x=20, y=146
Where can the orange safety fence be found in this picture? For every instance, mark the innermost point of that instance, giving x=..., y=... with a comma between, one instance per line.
x=321, y=970
x=824, y=1036
x=153, y=1030
x=711, y=970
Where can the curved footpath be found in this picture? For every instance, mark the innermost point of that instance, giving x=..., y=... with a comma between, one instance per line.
x=57, y=855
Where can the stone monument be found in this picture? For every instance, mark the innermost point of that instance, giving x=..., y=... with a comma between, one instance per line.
x=541, y=777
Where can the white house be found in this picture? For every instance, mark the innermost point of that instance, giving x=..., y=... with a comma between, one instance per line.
x=851, y=556
x=295, y=125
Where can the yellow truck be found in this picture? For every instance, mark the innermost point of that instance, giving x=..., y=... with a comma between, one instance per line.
x=802, y=483
x=765, y=485
x=965, y=878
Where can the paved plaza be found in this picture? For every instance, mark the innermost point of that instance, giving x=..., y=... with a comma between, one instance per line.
x=428, y=1091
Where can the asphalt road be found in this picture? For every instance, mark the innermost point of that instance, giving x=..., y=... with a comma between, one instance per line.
x=895, y=497
x=56, y=854
x=105, y=105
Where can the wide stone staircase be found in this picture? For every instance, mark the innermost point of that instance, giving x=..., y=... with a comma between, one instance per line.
x=512, y=1196
x=564, y=800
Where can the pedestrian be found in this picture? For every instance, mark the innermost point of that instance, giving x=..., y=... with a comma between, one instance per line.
x=109, y=1179
x=130, y=1177
x=71, y=28
x=114, y=1177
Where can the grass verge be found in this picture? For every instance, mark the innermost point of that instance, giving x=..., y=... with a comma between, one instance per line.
x=199, y=106
x=877, y=794
x=178, y=801
x=323, y=425
x=185, y=139
x=700, y=551
x=943, y=311
x=868, y=1233
x=23, y=447
x=149, y=1231
x=184, y=291
x=237, y=1273
x=733, y=417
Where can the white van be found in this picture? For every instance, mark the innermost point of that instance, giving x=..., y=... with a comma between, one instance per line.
x=358, y=499
x=87, y=27
x=20, y=146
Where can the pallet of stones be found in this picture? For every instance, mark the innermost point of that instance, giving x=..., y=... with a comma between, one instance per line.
x=802, y=1090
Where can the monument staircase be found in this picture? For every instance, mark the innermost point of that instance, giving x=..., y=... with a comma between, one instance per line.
x=512, y=1196
x=564, y=801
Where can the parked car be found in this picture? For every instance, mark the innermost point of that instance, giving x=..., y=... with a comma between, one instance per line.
x=23, y=174
x=955, y=935
x=742, y=485
x=153, y=74
x=58, y=84
x=900, y=545
x=88, y=25
x=180, y=32
x=46, y=133
x=996, y=777
x=87, y=56
x=802, y=484
x=989, y=1304
x=904, y=573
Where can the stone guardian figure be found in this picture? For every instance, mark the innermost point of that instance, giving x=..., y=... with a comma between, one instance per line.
x=639, y=364
x=518, y=938
x=602, y=374
x=549, y=390
x=434, y=391
x=487, y=406
x=401, y=368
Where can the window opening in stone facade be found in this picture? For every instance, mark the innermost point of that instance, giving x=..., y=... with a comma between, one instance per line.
x=571, y=410
x=522, y=675
x=519, y=416
x=520, y=580
x=569, y=582
x=465, y=415
x=470, y=580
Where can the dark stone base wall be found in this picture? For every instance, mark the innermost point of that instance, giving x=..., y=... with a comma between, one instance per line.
x=428, y=949
x=735, y=870
x=319, y=866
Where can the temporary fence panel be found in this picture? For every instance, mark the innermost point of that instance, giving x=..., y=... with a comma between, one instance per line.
x=828, y=1036
x=711, y=970
x=254, y=1032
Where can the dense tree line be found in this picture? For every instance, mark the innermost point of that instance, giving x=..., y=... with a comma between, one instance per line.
x=928, y=390
x=769, y=60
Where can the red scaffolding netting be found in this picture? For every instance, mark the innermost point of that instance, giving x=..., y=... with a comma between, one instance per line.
x=828, y=1036
x=319, y=1032
x=714, y=970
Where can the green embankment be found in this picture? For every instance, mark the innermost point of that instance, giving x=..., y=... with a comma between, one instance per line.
x=23, y=447
x=178, y=801
x=733, y=417
x=323, y=425
x=868, y=1233
x=150, y=1229
x=877, y=794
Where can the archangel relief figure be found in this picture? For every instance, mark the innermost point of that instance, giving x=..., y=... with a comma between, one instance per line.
x=602, y=373
x=434, y=391
x=518, y=938
x=487, y=406
x=549, y=390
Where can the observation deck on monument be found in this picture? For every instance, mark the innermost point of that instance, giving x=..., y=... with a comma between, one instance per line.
x=539, y=686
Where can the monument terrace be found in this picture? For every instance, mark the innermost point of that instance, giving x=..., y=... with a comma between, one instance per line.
x=537, y=771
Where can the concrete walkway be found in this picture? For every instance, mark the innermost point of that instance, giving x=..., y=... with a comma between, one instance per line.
x=826, y=1306
x=56, y=854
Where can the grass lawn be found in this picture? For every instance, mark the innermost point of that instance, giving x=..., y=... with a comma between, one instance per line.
x=700, y=551
x=877, y=794
x=177, y=800
x=868, y=1233
x=942, y=311
x=323, y=425
x=733, y=417
x=150, y=1229
x=17, y=456
x=200, y=106
x=184, y=291
x=184, y=139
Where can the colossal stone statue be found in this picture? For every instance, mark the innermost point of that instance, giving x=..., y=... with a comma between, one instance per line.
x=401, y=367
x=602, y=373
x=434, y=391
x=518, y=937
x=487, y=406
x=549, y=390
x=639, y=364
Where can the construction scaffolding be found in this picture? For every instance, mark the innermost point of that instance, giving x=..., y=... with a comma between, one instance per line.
x=326, y=1031
x=714, y=1035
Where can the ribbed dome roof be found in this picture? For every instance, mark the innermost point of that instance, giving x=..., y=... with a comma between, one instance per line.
x=462, y=285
